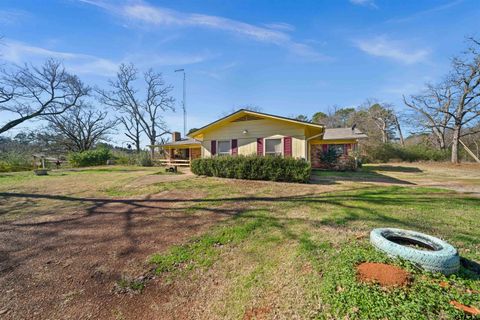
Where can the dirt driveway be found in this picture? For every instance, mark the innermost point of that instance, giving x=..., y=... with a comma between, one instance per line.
x=64, y=266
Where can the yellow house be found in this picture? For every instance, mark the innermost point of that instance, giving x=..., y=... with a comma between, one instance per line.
x=246, y=132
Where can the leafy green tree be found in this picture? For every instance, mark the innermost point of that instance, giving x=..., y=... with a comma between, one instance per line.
x=302, y=117
x=319, y=117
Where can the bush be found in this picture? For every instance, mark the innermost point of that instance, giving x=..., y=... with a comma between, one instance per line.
x=15, y=161
x=253, y=168
x=144, y=159
x=391, y=152
x=126, y=159
x=89, y=158
x=330, y=157
x=133, y=159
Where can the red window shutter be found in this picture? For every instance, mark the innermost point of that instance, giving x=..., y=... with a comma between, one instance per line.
x=345, y=149
x=260, y=146
x=234, y=147
x=325, y=148
x=213, y=149
x=287, y=146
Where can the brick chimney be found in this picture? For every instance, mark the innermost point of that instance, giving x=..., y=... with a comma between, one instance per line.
x=176, y=136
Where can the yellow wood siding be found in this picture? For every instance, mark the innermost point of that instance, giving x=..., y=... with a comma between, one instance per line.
x=265, y=128
x=256, y=129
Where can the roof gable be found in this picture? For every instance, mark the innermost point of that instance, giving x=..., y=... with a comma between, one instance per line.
x=248, y=115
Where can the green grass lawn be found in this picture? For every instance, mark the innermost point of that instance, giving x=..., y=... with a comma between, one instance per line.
x=318, y=240
x=290, y=250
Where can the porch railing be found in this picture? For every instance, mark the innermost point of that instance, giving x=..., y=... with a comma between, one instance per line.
x=173, y=162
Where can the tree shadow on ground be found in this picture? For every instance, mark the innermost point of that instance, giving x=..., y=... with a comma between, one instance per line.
x=363, y=175
x=391, y=168
x=132, y=215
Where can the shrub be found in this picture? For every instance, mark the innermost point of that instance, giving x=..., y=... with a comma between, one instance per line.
x=123, y=158
x=253, y=168
x=89, y=158
x=15, y=161
x=144, y=159
x=329, y=157
x=391, y=152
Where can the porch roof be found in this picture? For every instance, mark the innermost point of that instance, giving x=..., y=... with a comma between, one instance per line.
x=343, y=134
x=183, y=143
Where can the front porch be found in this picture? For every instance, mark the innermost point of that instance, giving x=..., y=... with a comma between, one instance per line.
x=179, y=152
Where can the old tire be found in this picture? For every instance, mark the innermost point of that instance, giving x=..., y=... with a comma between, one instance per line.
x=437, y=256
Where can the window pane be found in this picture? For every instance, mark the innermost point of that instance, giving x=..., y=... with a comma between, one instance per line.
x=223, y=146
x=273, y=146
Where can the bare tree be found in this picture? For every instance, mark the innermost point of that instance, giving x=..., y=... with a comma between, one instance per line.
x=122, y=96
x=131, y=123
x=158, y=100
x=32, y=92
x=465, y=79
x=383, y=118
x=82, y=127
x=139, y=114
x=249, y=107
x=431, y=110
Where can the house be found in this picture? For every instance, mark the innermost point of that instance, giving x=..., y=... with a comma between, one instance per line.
x=246, y=132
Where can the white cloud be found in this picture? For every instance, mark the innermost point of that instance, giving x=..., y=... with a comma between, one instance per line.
x=281, y=26
x=423, y=13
x=158, y=16
x=148, y=60
x=12, y=16
x=397, y=50
x=19, y=53
x=365, y=3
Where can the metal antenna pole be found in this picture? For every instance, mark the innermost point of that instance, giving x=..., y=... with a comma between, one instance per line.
x=184, y=102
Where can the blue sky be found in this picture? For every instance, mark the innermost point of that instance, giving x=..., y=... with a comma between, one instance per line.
x=286, y=57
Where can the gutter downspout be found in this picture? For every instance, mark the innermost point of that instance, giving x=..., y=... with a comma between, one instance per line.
x=307, y=140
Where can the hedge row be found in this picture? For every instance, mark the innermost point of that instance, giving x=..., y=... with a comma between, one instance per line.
x=253, y=168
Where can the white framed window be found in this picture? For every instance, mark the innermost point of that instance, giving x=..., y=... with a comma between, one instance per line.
x=223, y=147
x=273, y=147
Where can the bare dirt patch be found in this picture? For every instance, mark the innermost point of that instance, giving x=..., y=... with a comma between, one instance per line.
x=257, y=313
x=384, y=274
x=65, y=266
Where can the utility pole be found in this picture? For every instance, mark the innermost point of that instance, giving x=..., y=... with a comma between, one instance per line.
x=184, y=101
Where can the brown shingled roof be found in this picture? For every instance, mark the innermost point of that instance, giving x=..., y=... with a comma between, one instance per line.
x=343, y=133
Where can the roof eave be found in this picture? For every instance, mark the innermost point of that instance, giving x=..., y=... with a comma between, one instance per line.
x=202, y=129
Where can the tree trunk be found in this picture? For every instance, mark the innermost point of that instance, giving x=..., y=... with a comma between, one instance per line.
x=384, y=133
x=399, y=129
x=455, y=142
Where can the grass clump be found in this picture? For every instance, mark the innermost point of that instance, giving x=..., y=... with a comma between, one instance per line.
x=130, y=285
x=202, y=251
x=344, y=297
